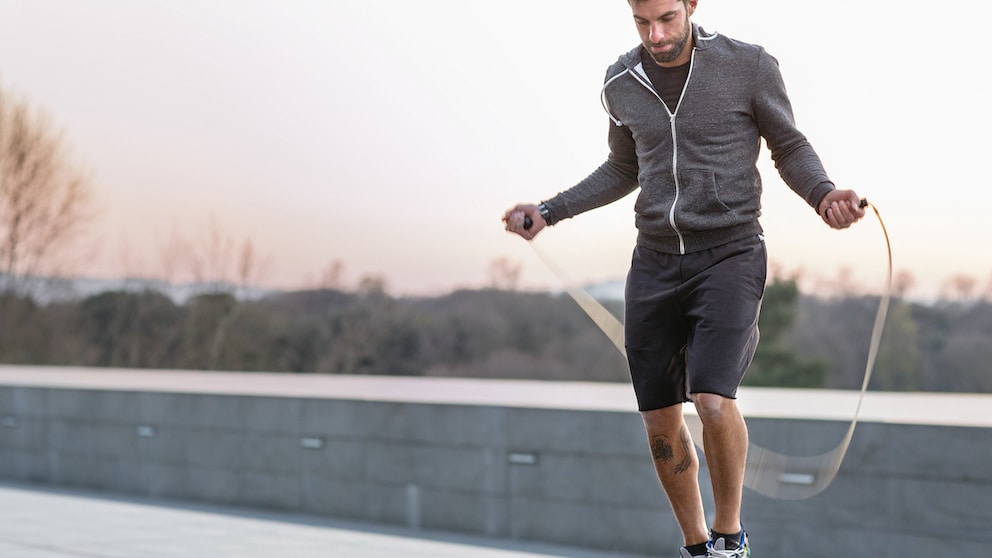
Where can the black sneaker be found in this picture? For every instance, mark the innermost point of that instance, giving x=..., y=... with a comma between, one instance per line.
x=718, y=548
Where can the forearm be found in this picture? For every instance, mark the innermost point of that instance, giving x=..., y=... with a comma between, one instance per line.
x=801, y=169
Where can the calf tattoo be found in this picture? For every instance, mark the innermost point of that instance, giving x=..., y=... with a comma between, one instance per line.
x=662, y=450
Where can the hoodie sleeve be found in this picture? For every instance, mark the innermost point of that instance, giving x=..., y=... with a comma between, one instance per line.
x=797, y=163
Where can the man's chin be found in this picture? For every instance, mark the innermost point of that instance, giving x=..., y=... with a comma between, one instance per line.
x=664, y=57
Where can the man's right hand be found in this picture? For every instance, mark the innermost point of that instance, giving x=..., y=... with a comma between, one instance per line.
x=513, y=219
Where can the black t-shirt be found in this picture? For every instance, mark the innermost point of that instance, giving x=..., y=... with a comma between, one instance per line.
x=667, y=82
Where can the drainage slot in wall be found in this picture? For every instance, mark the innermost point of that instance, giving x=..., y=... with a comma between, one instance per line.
x=146, y=431
x=312, y=443
x=522, y=458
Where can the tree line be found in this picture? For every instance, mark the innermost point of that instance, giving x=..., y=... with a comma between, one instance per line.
x=489, y=333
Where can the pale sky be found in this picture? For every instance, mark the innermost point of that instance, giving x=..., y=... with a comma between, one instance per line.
x=391, y=135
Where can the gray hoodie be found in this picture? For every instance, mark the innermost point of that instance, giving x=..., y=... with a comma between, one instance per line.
x=696, y=167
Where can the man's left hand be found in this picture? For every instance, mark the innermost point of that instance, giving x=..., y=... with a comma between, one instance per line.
x=841, y=209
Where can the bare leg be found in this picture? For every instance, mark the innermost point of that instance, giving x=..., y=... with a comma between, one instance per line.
x=725, y=444
x=677, y=465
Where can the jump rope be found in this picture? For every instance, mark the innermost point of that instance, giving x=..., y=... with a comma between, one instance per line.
x=772, y=474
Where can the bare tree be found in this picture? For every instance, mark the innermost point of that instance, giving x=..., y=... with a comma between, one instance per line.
x=44, y=199
x=213, y=259
x=249, y=267
x=224, y=272
x=504, y=274
x=210, y=257
x=961, y=287
x=331, y=276
x=372, y=285
x=902, y=283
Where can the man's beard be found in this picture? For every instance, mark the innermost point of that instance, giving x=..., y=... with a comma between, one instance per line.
x=678, y=44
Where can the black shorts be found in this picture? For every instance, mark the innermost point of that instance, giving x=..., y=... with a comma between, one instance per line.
x=691, y=322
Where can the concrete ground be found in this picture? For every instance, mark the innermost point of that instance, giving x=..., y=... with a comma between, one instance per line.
x=43, y=522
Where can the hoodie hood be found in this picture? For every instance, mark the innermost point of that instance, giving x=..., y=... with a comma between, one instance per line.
x=701, y=40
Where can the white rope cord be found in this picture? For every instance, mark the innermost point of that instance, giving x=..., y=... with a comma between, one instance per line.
x=776, y=475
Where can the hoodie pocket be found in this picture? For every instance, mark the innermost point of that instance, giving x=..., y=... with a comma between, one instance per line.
x=699, y=205
x=654, y=203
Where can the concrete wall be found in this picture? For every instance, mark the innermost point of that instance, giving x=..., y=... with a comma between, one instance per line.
x=576, y=477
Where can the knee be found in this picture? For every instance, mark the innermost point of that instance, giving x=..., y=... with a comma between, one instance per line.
x=713, y=408
x=663, y=420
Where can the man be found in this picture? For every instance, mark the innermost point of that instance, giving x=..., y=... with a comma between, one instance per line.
x=688, y=112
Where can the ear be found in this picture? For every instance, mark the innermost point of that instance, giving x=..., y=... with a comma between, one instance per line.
x=691, y=6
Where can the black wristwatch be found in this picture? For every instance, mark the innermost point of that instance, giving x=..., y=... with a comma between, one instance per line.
x=545, y=212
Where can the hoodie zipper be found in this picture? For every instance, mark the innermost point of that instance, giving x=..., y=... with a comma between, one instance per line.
x=675, y=146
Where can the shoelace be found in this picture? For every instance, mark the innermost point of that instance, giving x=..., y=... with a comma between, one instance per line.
x=740, y=552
